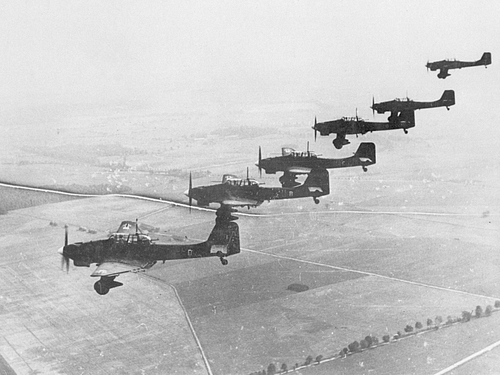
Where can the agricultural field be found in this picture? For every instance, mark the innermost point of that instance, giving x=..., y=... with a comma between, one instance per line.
x=13, y=199
x=310, y=279
x=110, y=110
x=412, y=238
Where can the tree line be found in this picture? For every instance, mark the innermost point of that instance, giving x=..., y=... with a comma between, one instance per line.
x=371, y=341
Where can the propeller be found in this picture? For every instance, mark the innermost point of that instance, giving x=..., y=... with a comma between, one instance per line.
x=64, y=258
x=315, y=130
x=258, y=165
x=189, y=191
x=373, y=105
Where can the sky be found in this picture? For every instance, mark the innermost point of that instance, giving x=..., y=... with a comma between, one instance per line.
x=341, y=53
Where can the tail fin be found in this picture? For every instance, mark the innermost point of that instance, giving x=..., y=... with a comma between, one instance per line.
x=448, y=98
x=486, y=58
x=408, y=118
x=366, y=150
x=318, y=179
x=225, y=237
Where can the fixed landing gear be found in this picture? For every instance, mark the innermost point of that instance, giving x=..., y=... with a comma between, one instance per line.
x=316, y=200
x=103, y=286
x=339, y=142
x=364, y=169
x=223, y=214
x=406, y=131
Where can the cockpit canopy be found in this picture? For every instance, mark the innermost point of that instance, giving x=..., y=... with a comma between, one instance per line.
x=352, y=119
x=130, y=238
x=287, y=151
x=241, y=182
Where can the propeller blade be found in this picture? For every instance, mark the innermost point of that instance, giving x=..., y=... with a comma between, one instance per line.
x=258, y=165
x=65, y=263
x=189, y=191
x=248, y=176
x=315, y=130
x=64, y=258
x=373, y=105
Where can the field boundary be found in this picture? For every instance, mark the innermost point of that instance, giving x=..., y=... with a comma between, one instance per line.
x=185, y=205
x=368, y=273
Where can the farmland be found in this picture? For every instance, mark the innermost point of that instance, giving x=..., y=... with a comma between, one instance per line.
x=408, y=240
x=362, y=276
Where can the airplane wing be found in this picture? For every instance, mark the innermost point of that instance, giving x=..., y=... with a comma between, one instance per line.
x=443, y=71
x=298, y=170
x=108, y=269
x=240, y=202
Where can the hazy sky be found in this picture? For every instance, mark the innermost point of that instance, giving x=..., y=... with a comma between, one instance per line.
x=340, y=52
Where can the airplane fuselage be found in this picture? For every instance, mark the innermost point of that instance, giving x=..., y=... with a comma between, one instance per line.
x=145, y=253
x=452, y=64
x=398, y=106
x=353, y=127
x=285, y=163
x=444, y=65
x=316, y=185
x=405, y=105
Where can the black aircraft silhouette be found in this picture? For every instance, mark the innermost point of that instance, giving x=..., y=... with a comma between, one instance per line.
x=398, y=106
x=293, y=163
x=238, y=192
x=130, y=250
x=355, y=125
x=444, y=65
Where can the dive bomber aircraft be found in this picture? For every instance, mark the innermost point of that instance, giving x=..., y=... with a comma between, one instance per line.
x=129, y=250
x=398, y=106
x=238, y=192
x=444, y=65
x=293, y=163
x=354, y=125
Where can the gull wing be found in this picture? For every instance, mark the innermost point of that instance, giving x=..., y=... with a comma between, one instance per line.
x=298, y=170
x=443, y=71
x=240, y=202
x=108, y=269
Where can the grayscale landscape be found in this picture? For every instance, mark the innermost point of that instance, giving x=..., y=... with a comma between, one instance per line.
x=107, y=108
